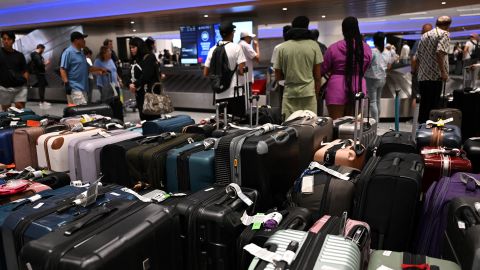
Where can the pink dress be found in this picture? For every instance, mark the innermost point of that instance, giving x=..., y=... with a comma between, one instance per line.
x=334, y=63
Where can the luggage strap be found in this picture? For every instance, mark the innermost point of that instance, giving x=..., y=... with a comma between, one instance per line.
x=316, y=165
x=416, y=262
x=439, y=123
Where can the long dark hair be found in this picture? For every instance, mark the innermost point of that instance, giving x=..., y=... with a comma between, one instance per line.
x=354, y=63
x=379, y=41
x=141, y=49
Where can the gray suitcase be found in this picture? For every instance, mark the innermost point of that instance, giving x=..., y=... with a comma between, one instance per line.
x=84, y=154
x=394, y=260
x=343, y=128
x=338, y=253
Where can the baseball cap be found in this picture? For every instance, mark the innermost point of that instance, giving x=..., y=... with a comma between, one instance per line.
x=247, y=34
x=227, y=28
x=77, y=35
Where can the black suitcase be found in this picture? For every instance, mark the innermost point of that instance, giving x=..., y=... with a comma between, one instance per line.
x=119, y=235
x=387, y=197
x=117, y=108
x=265, y=159
x=467, y=102
x=472, y=148
x=462, y=237
x=100, y=109
x=210, y=225
x=295, y=218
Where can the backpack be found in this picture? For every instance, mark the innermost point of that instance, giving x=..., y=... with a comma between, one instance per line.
x=475, y=51
x=220, y=73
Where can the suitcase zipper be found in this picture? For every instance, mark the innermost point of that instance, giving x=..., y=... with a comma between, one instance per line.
x=365, y=177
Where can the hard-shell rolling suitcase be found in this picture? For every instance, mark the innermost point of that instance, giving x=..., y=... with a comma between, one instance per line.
x=84, y=153
x=387, y=195
x=100, y=109
x=205, y=127
x=400, y=260
x=147, y=162
x=343, y=129
x=468, y=102
x=312, y=132
x=447, y=113
x=441, y=162
x=33, y=220
x=191, y=167
x=6, y=146
x=120, y=235
x=447, y=136
x=169, y=124
x=293, y=218
x=210, y=224
x=472, y=148
x=462, y=237
x=330, y=192
x=433, y=220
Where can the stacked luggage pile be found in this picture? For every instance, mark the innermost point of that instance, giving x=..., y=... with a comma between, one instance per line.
x=87, y=191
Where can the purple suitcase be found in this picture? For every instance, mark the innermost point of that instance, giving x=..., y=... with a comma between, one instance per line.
x=435, y=210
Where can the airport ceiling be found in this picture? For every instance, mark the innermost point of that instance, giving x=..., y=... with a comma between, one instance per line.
x=168, y=15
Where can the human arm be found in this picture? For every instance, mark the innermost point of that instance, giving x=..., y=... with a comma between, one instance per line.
x=442, y=51
x=317, y=74
x=256, y=47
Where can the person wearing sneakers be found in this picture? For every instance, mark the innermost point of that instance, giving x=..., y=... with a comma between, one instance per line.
x=251, y=53
x=38, y=64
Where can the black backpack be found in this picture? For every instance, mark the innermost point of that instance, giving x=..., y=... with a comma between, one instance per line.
x=220, y=73
x=475, y=51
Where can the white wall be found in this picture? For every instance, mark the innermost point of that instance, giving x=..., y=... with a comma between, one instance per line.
x=330, y=32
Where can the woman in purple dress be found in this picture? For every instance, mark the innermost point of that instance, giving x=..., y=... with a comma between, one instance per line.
x=346, y=64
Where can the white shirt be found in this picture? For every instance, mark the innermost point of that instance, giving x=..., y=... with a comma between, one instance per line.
x=405, y=52
x=250, y=54
x=235, y=57
x=470, y=46
x=274, y=59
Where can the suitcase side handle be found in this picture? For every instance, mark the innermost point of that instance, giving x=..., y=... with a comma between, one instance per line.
x=78, y=226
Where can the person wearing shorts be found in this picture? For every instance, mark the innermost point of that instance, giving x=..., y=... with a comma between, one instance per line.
x=13, y=74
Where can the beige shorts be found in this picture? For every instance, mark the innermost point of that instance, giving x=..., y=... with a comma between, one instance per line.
x=78, y=97
x=13, y=94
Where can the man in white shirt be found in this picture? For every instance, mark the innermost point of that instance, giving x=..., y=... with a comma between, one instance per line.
x=236, y=62
x=405, y=53
x=470, y=46
x=251, y=53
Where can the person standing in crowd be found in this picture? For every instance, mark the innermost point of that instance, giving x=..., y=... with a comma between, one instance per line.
x=109, y=43
x=404, y=53
x=413, y=62
x=432, y=58
x=38, y=65
x=315, y=36
x=346, y=61
x=236, y=64
x=286, y=28
x=471, y=52
x=91, y=80
x=13, y=74
x=166, y=57
x=458, y=57
x=298, y=63
x=251, y=53
x=144, y=74
x=74, y=70
x=104, y=60
x=376, y=75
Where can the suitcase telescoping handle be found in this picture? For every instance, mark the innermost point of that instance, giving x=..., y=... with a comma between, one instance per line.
x=358, y=131
x=416, y=113
x=251, y=99
x=217, y=113
x=397, y=110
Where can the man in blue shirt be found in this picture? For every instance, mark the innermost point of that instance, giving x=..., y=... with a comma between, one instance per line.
x=74, y=70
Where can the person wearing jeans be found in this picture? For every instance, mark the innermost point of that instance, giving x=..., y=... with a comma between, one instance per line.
x=376, y=75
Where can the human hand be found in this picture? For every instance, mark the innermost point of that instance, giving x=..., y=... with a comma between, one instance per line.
x=444, y=76
x=132, y=88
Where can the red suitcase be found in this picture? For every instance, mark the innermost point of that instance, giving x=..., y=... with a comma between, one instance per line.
x=440, y=161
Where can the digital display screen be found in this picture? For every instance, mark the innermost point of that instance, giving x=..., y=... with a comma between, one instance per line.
x=188, y=35
x=205, y=41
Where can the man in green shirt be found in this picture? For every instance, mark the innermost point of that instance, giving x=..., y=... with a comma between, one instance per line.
x=298, y=63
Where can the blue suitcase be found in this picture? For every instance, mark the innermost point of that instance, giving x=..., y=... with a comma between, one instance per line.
x=191, y=167
x=32, y=221
x=448, y=136
x=173, y=124
x=6, y=146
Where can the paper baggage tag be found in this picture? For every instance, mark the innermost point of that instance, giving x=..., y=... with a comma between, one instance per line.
x=90, y=196
x=104, y=134
x=383, y=267
x=262, y=253
x=387, y=253
x=307, y=184
x=14, y=109
x=38, y=205
x=13, y=123
x=461, y=225
x=440, y=122
x=44, y=122
x=30, y=169
x=86, y=118
x=35, y=198
x=238, y=191
x=316, y=165
x=138, y=196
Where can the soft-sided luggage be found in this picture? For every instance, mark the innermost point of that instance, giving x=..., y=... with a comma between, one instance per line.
x=210, y=225
x=119, y=235
x=54, y=148
x=293, y=218
x=100, y=109
x=462, y=237
x=472, y=148
x=147, y=162
x=54, y=180
x=205, y=127
x=447, y=113
x=18, y=189
x=432, y=135
x=433, y=220
x=265, y=159
x=330, y=192
x=169, y=124
x=191, y=167
x=440, y=161
x=386, y=259
x=6, y=146
x=468, y=102
x=312, y=132
x=84, y=153
x=387, y=195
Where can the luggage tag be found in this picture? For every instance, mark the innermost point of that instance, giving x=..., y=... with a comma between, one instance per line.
x=87, y=197
x=234, y=188
x=13, y=123
x=14, y=109
x=440, y=122
x=279, y=261
x=316, y=165
x=256, y=220
x=104, y=134
x=138, y=196
x=383, y=267
x=307, y=184
x=86, y=118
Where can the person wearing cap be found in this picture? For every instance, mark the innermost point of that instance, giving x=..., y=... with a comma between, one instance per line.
x=251, y=53
x=74, y=70
x=236, y=61
x=470, y=46
x=13, y=74
x=298, y=63
x=38, y=68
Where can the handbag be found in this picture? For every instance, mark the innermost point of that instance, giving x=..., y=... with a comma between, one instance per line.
x=157, y=104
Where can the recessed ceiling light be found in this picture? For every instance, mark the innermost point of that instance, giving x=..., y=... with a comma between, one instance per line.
x=134, y=30
x=205, y=16
x=132, y=22
x=444, y=3
x=284, y=9
x=323, y=16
